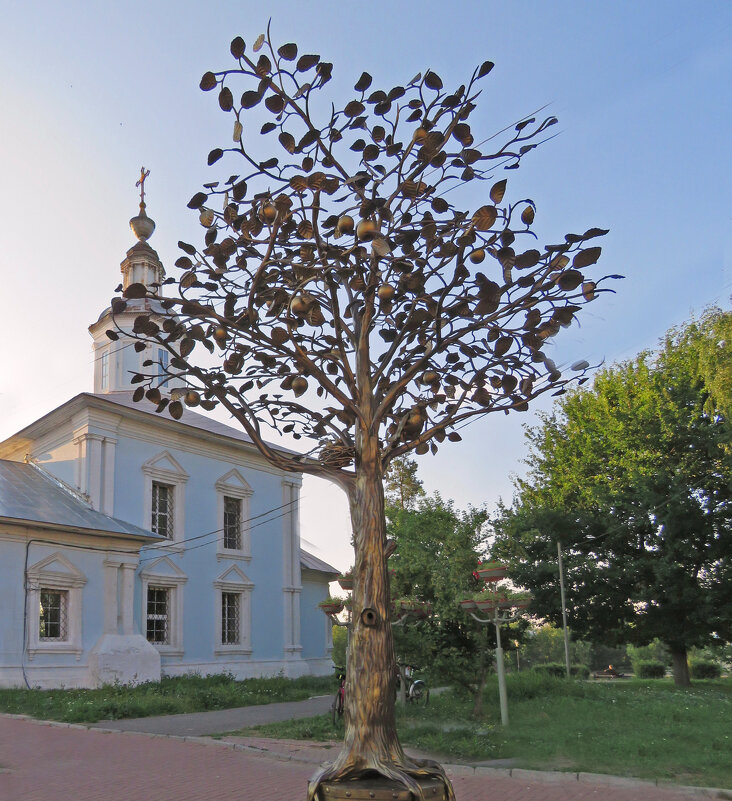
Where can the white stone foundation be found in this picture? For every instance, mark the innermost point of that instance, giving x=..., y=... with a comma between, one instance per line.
x=123, y=659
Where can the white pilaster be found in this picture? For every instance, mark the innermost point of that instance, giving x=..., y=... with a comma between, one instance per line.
x=292, y=585
x=107, y=504
x=127, y=597
x=111, y=597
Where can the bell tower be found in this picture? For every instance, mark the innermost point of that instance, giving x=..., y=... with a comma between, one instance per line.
x=116, y=361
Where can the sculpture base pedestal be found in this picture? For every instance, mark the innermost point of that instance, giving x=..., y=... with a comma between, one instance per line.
x=380, y=789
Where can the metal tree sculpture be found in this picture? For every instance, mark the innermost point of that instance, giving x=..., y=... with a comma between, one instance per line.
x=352, y=302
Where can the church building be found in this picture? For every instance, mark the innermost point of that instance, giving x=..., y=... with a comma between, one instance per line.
x=133, y=545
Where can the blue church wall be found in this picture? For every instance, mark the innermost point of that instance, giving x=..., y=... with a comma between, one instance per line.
x=48, y=667
x=200, y=562
x=312, y=618
x=11, y=602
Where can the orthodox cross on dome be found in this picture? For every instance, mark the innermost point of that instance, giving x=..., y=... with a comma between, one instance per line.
x=141, y=183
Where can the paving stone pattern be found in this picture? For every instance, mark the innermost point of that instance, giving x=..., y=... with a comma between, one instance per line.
x=61, y=762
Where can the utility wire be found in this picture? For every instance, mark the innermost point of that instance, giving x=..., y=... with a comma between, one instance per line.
x=213, y=535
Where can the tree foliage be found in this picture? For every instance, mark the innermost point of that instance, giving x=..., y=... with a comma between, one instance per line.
x=402, y=488
x=634, y=477
x=438, y=548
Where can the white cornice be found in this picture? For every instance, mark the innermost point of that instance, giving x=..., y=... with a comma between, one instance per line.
x=141, y=425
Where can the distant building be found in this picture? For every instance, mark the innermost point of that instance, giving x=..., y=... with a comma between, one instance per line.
x=134, y=545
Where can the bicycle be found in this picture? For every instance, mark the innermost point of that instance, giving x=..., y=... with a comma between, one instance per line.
x=416, y=690
x=339, y=700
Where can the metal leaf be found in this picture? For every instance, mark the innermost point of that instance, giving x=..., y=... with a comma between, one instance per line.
x=307, y=62
x=484, y=218
x=237, y=47
x=432, y=80
x=135, y=290
x=498, y=190
x=485, y=68
x=527, y=215
x=287, y=141
x=208, y=82
x=363, y=83
x=569, y=280
x=586, y=257
x=226, y=99
x=197, y=200
x=288, y=51
x=250, y=99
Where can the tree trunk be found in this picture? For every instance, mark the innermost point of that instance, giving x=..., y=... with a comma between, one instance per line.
x=680, y=666
x=371, y=746
x=482, y=678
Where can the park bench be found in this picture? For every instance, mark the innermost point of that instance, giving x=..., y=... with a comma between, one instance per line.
x=608, y=673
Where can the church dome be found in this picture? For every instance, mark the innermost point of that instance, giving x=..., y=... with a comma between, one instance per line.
x=142, y=226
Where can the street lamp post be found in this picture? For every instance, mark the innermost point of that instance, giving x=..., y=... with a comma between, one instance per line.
x=501, y=610
x=564, y=610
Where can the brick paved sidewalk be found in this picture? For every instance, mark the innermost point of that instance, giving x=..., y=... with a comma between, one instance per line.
x=42, y=762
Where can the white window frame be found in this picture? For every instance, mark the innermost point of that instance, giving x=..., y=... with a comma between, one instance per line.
x=164, y=469
x=234, y=485
x=46, y=575
x=162, y=367
x=168, y=613
x=104, y=371
x=234, y=581
x=164, y=574
x=169, y=512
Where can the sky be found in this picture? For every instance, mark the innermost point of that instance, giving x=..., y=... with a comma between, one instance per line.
x=92, y=91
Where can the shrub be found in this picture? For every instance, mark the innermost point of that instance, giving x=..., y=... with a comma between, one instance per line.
x=556, y=669
x=703, y=669
x=559, y=670
x=650, y=670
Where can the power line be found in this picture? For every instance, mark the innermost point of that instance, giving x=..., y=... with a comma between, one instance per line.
x=213, y=535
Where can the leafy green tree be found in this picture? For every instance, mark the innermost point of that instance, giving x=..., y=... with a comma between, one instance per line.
x=438, y=548
x=545, y=643
x=402, y=488
x=634, y=477
x=340, y=640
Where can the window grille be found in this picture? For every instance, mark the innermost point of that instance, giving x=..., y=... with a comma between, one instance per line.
x=232, y=523
x=230, y=618
x=158, y=614
x=53, y=616
x=162, y=510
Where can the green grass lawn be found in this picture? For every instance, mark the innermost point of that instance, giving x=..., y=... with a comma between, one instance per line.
x=170, y=696
x=646, y=729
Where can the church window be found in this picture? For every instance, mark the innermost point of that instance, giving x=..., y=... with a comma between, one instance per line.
x=53, y=615
x=104, y=372
x=53, y=597
x=230, y=618
x=163, y=377
x=158, y=614
x=162, y=509
x=234, y=504
x=232, y=523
